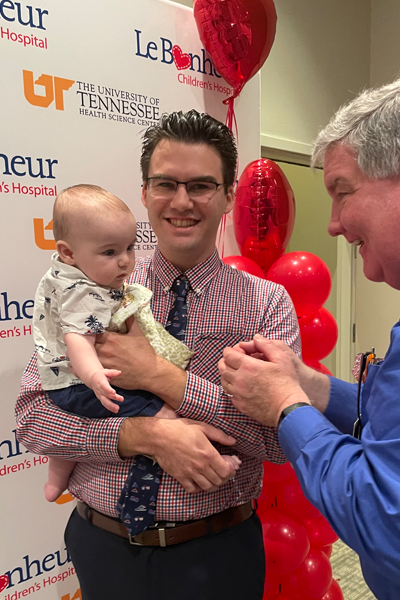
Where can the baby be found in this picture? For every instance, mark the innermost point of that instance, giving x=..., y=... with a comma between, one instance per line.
x=84, y=294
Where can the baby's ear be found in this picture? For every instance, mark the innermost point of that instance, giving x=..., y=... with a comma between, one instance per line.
x=65, y=252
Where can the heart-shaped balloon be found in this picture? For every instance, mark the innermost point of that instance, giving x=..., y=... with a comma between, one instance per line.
x=263, y=215
x=238, y=35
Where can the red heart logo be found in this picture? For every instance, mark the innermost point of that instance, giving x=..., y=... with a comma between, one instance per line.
x=181, y=59
x=4, y=581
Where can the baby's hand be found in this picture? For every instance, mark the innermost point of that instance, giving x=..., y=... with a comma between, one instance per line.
x=103, y=390
x=233, y=461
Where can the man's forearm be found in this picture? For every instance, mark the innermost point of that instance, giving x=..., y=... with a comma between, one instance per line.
x=162, y=379
x=168, y=382
x=136, y=436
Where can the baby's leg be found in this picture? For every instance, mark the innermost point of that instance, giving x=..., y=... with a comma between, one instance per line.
x=59, y=473
x=166, y=412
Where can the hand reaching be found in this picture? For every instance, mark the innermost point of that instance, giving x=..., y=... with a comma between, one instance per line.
x=103, y=390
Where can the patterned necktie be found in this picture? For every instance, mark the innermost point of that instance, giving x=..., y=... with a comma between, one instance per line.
x=177, y=318
x=137, y=503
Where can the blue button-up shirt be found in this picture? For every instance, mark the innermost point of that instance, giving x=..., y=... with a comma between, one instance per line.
x=356, y=483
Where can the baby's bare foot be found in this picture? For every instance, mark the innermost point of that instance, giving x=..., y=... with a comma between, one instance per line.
x=166, y=412
x=51, y=492
x=233, y=461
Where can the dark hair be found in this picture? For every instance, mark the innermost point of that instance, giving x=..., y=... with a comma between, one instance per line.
x=192, y=128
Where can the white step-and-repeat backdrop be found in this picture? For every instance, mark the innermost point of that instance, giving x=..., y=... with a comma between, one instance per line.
x=80, y=82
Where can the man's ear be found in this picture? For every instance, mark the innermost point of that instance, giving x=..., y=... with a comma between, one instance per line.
x=65, y=252
x=144, y=194
x=230, y=200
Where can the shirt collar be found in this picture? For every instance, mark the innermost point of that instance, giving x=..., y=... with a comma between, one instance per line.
x=199, y=276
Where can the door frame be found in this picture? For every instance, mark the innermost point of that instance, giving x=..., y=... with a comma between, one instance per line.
x=345, y=279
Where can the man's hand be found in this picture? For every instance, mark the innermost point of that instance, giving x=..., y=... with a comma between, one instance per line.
x=181, y=448
x=261, y=389
x=316, y=385
x=130, y=353
x=141, y=368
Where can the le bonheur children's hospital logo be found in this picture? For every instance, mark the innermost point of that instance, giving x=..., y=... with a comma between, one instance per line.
x=168, y=53
x=33, y=20
x=38, y=573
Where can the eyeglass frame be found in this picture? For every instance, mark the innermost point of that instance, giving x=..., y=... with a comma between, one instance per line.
x=185, y=183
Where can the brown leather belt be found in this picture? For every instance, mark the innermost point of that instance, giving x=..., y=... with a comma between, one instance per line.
x=170, y=533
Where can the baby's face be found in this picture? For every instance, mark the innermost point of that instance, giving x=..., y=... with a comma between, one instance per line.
x=104, y=249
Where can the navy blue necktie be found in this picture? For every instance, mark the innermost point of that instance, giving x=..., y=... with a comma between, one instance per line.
x=177, y=318
x=137, y=503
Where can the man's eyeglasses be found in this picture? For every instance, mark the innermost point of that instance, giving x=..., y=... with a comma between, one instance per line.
x=200, y=191
x=360, y=371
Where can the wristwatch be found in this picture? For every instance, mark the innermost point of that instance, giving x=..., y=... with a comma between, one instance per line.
x=289, y=409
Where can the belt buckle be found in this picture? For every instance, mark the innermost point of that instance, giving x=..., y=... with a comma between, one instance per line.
x=161, y=535
x=131, y=538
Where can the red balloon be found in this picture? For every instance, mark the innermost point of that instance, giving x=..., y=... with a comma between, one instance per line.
x=294, y=503
x=334, y=592
x=244, y=264
x=273, y=472
x=306, y=278
x=320, y=532
x=313, y=578
x=317, y=366
x=286, y=542
x=318, y=336
x=270, y=497
x=271, y=585
x=263, y=215
x=275, y=479
x=238, y=35
x=327, y=550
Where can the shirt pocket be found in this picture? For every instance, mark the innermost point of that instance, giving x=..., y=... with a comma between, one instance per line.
x=208, y=349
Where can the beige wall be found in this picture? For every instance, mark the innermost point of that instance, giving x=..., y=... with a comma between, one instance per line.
x=321, y=56
x=385, y=44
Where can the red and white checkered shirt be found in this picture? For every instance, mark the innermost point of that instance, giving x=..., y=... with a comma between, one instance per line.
x=225, y=306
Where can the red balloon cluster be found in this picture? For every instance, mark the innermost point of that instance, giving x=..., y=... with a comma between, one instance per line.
x=241, y=263
x=308, y=282
x=263, y=215
x=238, y=35
x=306, y=278
x=297, y=540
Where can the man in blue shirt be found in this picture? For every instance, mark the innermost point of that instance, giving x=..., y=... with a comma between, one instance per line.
x=354, y=480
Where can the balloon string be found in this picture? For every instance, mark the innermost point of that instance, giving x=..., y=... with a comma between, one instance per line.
x=221, y=237
x=230, y=122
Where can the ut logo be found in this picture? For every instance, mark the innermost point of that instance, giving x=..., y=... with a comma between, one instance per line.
x=54, y=87
x=63, y=499
x=40, y=240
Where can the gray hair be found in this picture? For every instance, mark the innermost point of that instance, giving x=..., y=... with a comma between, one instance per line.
x=369, y=125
